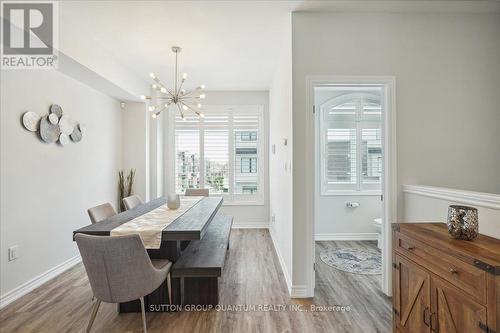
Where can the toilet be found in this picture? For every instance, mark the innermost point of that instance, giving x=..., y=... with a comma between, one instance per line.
x=378, y=227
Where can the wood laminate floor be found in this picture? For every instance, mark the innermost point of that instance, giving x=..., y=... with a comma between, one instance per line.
x=252, y=277
x=372, y=308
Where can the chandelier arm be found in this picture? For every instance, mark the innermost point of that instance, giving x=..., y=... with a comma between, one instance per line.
x=180, y=110
x=193, y=110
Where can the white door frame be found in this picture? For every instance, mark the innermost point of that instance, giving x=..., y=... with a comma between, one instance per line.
x=389, y=190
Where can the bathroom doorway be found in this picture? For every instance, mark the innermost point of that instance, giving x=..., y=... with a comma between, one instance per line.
x=353, y=158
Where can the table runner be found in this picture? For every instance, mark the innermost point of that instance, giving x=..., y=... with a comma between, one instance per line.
x=150, y=225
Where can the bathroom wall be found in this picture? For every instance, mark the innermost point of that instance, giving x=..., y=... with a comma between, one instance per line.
x=333, y=219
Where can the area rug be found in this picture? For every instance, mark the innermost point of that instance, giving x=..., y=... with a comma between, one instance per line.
x=357, y=261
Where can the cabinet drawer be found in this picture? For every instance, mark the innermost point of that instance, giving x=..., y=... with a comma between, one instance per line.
x=469, y=278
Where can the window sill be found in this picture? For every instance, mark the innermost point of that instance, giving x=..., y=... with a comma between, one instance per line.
x=351, y=193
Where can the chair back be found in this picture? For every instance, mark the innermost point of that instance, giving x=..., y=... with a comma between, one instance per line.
x=132, y=202
x=118, y=267
x=101, y=212
x=196, y=192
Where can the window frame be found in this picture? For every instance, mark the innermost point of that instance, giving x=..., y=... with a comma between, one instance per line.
x=230, y=198
x=325, y=188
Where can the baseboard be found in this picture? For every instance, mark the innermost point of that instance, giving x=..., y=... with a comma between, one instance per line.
x=299, y=291
x=346, y=236
x=288, y=280
x=25, y=288
x=250, y=225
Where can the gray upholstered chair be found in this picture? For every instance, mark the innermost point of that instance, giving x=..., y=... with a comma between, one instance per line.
x=196, y=192
x=101, y=212
x=132, y=202
x=120, y=270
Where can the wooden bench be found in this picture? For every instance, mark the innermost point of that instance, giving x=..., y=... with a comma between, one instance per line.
x=201, y=263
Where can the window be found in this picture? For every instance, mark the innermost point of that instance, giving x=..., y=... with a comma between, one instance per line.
x=351, y=142
x=222, y=152
x=248, y=164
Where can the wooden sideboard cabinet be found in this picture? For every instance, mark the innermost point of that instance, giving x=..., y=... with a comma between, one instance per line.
x=444, y=285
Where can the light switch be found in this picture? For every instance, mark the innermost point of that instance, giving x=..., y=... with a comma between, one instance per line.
x=13, y=252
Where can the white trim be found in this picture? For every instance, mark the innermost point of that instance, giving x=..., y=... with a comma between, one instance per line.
x=487, y=200
x=351, y=193
x=346, y=236
x=288, y=279
x=250, y=225
x=300, y=291
x=34, y=283
x=390, y=176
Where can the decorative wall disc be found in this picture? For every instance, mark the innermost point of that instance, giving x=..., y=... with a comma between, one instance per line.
x=66, y=125
x=57, y=110
x=48, y=132
x=53, y=118
x=31, y=121
x=82, y=128
x=76, y=136
x=63, y=139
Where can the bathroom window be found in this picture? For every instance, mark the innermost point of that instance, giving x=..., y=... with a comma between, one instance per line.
x=351, y=142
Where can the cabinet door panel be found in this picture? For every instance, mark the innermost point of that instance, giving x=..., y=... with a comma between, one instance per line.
x=454, y=312
x=412, y=297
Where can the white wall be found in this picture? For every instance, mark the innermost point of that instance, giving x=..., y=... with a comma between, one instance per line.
x=447, y=77
x=245, y=216
x=45, y=188
x=135, y=145
x=280, y=162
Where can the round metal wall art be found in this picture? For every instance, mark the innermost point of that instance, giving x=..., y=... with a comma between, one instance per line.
x=53, y=127
x=53, y=118
x=31, y=121
x=49, y=132
x=76, y=136
x=63, y=139
x=82, y=128
x=66, y=125
x=57, y=110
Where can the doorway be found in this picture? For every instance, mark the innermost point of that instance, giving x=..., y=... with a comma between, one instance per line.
x=351, y=135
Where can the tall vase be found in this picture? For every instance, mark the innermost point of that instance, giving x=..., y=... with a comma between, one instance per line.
x=463, y=222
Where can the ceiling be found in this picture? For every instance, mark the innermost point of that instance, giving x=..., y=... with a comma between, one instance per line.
x=227, y=45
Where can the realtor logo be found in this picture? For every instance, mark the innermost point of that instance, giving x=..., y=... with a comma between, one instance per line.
x=29, y=34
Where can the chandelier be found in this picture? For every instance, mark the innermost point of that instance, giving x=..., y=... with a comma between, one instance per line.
x=185, y=101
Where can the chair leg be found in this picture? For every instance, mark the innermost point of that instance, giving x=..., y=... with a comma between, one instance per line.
x=169, y=287
x=95, y=308
x=143, y=310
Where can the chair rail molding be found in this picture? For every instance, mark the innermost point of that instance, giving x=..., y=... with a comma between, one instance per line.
x=487, y=200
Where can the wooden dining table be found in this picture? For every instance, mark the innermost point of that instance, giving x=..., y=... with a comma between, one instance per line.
x=191, y=225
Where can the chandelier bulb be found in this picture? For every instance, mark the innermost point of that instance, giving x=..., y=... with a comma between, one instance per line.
x=199, y=105
x=152, y=108
x=202, y=96
x=183, y=91
x=163, y=90
x=184, y=107
x=153, y=115
x=143, y=97
x=184, y=76
x=154, y=86
x=152, y=75
x=201, y=115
